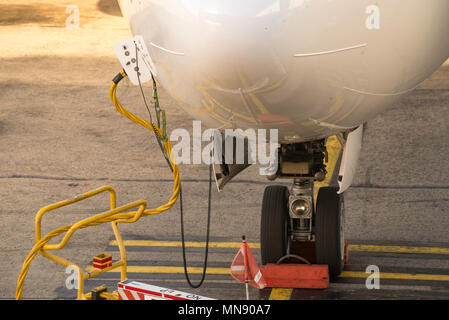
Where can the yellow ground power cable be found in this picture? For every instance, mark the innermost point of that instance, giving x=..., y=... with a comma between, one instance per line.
x=114, y=215
x=157, y=130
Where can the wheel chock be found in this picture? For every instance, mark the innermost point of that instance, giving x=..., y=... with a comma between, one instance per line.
x=102, y=261
x=301, y=276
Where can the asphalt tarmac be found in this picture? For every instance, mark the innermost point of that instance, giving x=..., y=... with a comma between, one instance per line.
x=60, y=136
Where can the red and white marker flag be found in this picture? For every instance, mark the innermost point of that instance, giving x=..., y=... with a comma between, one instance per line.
x=244, y=268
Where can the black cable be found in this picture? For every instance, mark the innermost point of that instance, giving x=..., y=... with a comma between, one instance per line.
x=140, y=84
x=206, y=253
x=207, y=235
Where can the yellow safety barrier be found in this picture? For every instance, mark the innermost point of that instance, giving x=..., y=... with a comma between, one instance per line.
x=114, y=215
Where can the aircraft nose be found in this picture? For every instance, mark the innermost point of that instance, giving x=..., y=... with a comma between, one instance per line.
x=215, y=53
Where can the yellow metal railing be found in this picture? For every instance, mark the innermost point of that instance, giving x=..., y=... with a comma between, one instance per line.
x=114, y=215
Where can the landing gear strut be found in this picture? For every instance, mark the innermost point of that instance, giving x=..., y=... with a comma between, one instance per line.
x=292, y=220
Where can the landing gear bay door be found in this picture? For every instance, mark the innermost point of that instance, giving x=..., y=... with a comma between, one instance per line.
x=350, y=159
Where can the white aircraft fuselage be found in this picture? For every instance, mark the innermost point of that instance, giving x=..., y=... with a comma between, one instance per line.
x=309, y=68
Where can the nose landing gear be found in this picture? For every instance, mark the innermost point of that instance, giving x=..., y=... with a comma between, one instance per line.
x=291, y=221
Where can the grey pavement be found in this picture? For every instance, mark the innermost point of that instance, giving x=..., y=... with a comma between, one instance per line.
x=61, y=136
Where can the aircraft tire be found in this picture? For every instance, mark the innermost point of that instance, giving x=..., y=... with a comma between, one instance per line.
x=329, y=234
x=274, y=224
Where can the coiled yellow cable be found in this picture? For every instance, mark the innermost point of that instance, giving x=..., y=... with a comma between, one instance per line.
x=120, y=217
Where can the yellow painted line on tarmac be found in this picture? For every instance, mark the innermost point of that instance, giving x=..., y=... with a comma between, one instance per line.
x=397, y=249
x=190, y=244
x=171, y=270
x=280, y=294
x=254, y=245
x=401, y=276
